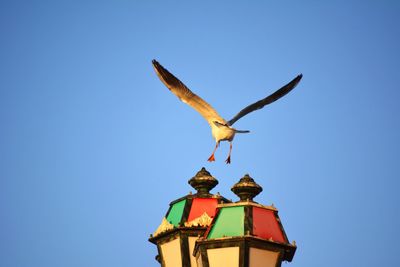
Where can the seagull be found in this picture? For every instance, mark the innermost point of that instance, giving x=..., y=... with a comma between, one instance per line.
x=221, y=129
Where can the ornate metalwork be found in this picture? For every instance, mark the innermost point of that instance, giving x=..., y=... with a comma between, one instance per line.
x=203, y=221
x=164, y=226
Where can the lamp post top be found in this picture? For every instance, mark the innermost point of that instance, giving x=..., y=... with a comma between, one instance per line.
x=247, y=222
x=201, y=222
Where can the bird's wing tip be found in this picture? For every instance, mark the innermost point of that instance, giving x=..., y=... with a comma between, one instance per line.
x=298, y=78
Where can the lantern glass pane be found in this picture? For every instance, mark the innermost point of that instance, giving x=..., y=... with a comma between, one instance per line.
x=201, y=205
x=266, y=226
x=218, y=257
x=171, y=253
x=175, y=214
x=192, y=242
x=262, y=258
x=199, y=261
x=230, y=222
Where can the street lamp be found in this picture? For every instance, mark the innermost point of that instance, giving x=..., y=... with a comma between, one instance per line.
x=187, y=218
x=245, y=233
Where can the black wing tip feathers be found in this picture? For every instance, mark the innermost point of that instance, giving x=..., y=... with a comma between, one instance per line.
x=158, y=67
x=298, y=78
x=155, y=62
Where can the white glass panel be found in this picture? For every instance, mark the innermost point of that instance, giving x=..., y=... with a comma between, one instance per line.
x=199, y=262
x=262, y=258
x=223, y=257
x=171, y=252
x=192, y=241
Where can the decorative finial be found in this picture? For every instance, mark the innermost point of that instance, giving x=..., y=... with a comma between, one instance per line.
x=246, y=189
x=203, y=182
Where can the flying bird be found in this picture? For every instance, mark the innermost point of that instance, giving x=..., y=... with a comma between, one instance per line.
x=221, y=129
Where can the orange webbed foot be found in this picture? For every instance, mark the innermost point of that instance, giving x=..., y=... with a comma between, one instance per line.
x=211, y=158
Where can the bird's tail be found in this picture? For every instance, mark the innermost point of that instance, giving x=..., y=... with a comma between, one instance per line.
x=241, y=131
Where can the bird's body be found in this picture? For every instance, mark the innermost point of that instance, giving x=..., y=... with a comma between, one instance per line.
x=220, y=128
x=222, y=132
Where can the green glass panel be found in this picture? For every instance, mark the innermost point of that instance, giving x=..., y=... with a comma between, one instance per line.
x=230, y=222
x=175, y=214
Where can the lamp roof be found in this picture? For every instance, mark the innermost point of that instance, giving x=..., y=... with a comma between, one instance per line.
x=193, y=210
x=248, y=219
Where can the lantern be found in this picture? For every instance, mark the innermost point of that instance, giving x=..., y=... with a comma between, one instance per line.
x=187, y=219
x=245, y=233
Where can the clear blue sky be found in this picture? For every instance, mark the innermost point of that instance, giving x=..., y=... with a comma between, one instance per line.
x=93, y=147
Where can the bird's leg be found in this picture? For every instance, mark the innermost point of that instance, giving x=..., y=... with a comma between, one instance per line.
x=212, y=158
x=228, y=160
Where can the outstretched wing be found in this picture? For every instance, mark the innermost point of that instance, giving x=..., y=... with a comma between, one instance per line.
x=268, y=100
x=185, y=95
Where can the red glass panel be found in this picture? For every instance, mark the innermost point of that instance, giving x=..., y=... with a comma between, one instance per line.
x=201, y=205
x=266, y=226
